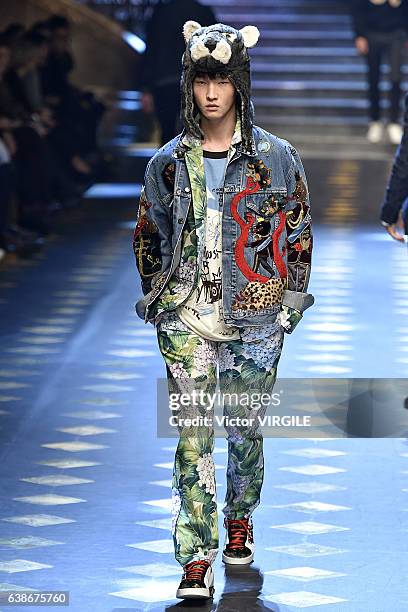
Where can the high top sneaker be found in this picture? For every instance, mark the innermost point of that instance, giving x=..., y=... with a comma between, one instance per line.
x=197, y=581
x=239, y=544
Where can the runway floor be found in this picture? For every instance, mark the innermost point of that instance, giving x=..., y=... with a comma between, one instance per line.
x=85, y=494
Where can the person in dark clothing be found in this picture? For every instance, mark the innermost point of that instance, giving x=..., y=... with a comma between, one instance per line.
x=13, y=237
x=60, y=62
x=381, y=30
x=23, y=76
x=25, y=138
x=77, y=111
x=394, y=210
x=13, y=34
x=159, y=78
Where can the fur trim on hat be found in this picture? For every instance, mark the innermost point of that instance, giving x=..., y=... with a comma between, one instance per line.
x=218, y=49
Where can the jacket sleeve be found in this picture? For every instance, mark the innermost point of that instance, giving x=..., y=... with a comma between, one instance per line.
x=299, y=245
x=358, y=11
x=397, y=188
x=152, y=234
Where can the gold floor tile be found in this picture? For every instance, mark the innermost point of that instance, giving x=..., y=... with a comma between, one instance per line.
x=68, y=311
x=74, y=447
x=132, y=353
x=56, y=480
x=27, y=542
x=86, y=430
x=72, y=293
x=34, y=340
x=92, y=415
x=117, y=375
x=101, y=401
x=37, y=520
x=55, y=321
x=21, y=565
x=12, y=385
x=107, y=388
x=49, y=499
x=66, y=464
x=9, y=398
x=11, y=373
x=33, y=350
x=47, y=329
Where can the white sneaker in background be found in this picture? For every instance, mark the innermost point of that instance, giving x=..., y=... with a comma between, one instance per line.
x=375, y=132
x=394, y=131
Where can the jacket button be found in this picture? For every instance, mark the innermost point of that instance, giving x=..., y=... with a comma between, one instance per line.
x=180, y=220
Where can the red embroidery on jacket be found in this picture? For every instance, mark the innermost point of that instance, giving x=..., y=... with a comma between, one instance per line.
x=277, y=255
x=252, y=186
x=142, y=220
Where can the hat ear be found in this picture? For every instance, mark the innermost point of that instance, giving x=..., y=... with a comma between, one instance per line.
x=250, y=34
x=189, y=28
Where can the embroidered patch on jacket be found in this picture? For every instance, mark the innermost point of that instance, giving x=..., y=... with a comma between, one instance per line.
x=258, y=296
x=300, y=193
x=267, y=253
x=168, y=175
x=146, y=242
x=299, y=237
x=266, y=247
x=259, y=173
x=272, y=204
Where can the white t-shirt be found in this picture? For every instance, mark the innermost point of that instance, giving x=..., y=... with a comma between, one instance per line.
x=202, y=311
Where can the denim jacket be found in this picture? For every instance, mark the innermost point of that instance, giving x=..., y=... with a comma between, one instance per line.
x=396, y=196
x=265, y=220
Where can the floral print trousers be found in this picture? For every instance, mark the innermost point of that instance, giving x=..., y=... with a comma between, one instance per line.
x=247, y=364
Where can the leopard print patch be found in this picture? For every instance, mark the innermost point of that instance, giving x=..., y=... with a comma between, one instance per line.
x=258, y=296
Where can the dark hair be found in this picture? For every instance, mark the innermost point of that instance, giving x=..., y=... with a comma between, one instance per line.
x=41, y=26
x=4, y=40
x=56, y=22
x=13, y=32
x=211, y=75
x=35, y=38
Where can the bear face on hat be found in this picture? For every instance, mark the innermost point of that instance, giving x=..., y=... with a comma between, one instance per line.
x=218, y=46
x=218, y=49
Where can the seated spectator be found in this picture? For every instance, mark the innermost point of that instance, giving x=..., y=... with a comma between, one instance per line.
x=41, y=181
x=78, y=110
x=48, y=132
x=23, y=76
x=13, y=238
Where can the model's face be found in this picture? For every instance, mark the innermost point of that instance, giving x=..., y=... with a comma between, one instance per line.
x=215, y=98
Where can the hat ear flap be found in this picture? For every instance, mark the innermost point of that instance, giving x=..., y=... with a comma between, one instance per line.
x=250, y=34
x=189, y=28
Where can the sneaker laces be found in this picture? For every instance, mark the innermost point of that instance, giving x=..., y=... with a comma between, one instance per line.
x=195, y=570
x=237, y=532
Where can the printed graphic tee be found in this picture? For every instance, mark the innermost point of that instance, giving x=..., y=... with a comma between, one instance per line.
x=202, y=311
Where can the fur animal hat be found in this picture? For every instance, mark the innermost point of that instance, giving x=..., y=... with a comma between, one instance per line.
x=215, y=49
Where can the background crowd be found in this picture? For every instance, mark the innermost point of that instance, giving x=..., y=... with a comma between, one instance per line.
x=49, y=152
